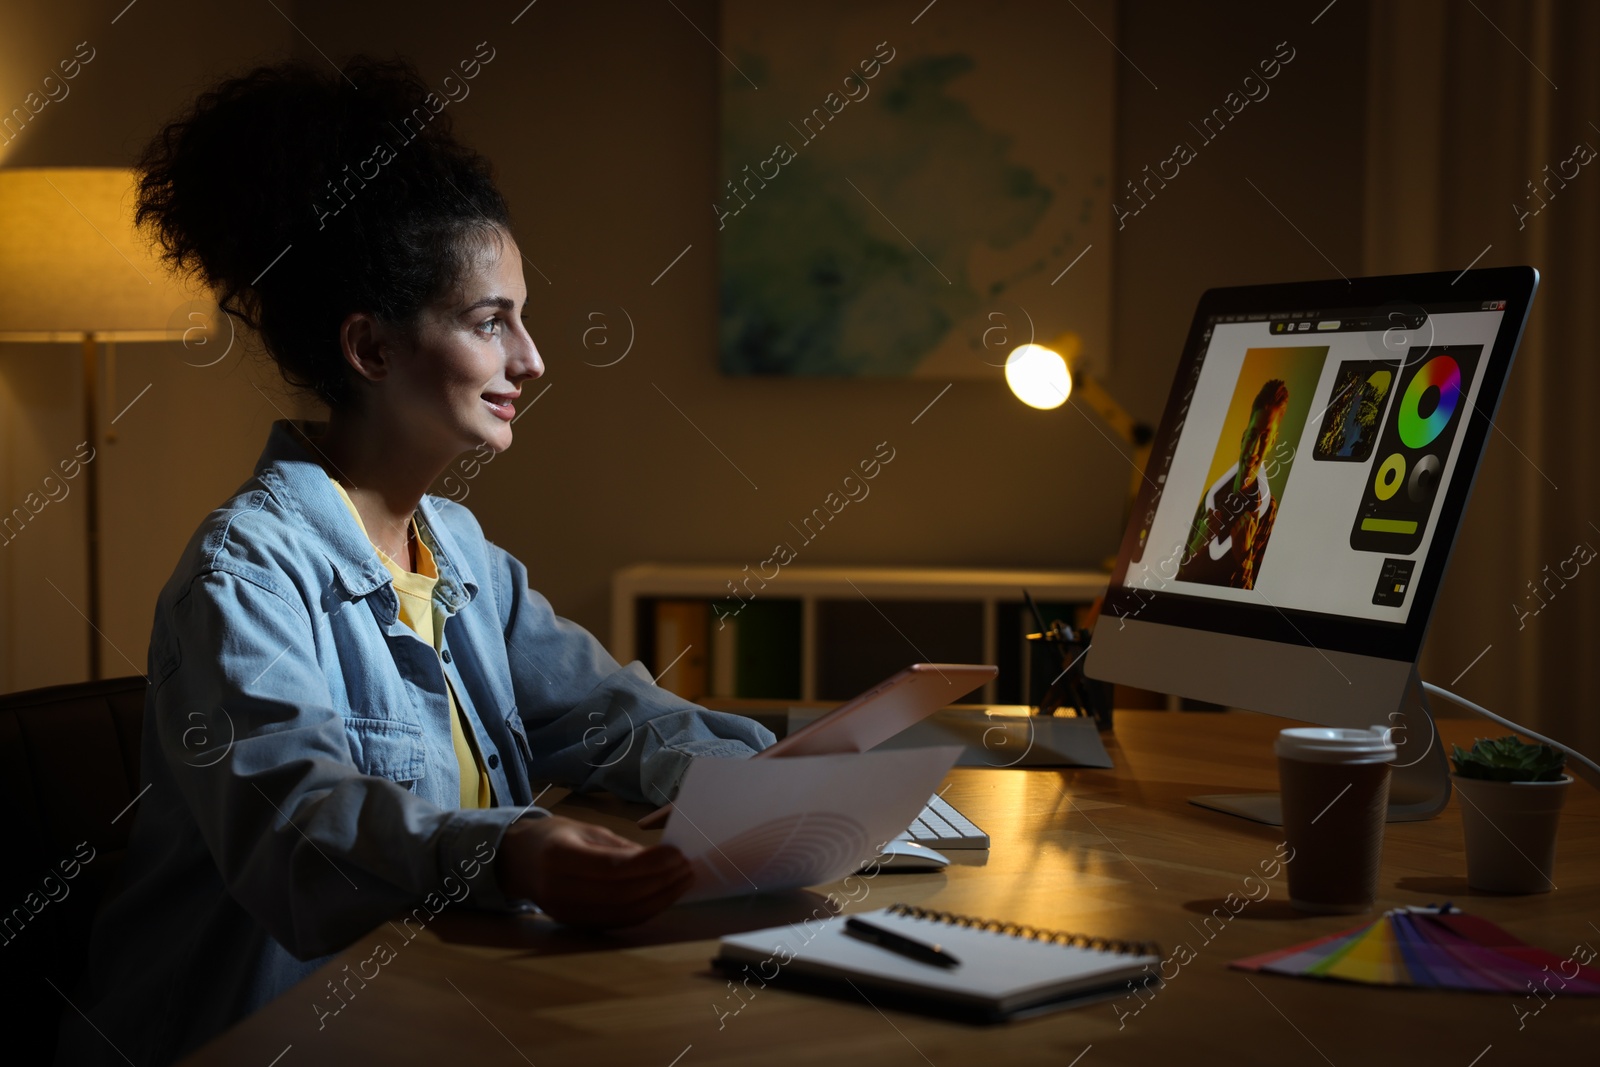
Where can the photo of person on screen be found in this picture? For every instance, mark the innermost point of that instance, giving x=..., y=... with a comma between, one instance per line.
x=1235, y=516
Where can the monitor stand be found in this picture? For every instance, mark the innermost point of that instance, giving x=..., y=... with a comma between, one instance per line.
x=1419, y=786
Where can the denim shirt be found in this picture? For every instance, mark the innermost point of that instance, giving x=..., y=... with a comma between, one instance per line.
x=301, y=782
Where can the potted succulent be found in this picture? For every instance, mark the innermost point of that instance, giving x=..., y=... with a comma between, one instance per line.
x=1511, y=794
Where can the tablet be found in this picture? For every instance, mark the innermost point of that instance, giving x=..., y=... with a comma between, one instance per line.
x=884, y=710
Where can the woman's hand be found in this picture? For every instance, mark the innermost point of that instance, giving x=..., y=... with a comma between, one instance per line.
x=586, y=875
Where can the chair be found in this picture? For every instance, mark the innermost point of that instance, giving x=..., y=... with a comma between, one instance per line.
x=69, y=773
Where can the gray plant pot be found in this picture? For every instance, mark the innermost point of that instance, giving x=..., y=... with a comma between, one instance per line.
x=1510, y=830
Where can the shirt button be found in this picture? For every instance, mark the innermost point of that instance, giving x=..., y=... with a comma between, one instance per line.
x=494, y=760
x=445, y=655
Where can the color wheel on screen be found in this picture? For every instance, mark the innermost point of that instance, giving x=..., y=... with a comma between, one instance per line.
x=1444, y=374
x=1408, y=464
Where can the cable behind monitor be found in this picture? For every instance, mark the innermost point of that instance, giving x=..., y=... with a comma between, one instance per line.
x=1585, y=767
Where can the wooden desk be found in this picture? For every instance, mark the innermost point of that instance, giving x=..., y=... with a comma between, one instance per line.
x=1116, y=852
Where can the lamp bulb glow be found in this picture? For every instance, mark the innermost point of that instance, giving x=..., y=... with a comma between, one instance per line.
x=1038, y=376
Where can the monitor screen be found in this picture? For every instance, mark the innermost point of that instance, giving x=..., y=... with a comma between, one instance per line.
x=1314, y=458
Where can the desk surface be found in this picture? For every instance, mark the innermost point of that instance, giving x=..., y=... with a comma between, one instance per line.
x=1112, y=852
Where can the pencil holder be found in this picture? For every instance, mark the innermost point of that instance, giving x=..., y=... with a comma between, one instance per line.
x=1070, y=688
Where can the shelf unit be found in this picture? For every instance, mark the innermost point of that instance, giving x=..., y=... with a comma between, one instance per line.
x=824, y=592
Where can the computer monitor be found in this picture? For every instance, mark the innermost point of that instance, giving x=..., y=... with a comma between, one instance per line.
x=1302, y=496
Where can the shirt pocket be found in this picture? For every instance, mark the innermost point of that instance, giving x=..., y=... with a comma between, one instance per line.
x=519, y=734
x=387, y=748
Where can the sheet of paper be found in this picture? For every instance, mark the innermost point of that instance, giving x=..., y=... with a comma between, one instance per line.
x=752, y=826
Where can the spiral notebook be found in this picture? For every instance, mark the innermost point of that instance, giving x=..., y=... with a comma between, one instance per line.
x=1005, y=969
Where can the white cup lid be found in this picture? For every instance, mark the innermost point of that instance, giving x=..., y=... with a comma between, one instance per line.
x=1332, y=744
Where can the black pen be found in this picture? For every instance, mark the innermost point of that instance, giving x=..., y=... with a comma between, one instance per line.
x=905, y=946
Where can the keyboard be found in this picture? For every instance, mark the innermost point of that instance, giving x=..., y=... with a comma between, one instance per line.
x=941, y=826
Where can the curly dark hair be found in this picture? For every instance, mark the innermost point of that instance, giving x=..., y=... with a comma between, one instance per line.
x=356, y=173
x=1273, y=394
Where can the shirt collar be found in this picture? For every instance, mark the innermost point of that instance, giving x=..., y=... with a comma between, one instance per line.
x=288, y=465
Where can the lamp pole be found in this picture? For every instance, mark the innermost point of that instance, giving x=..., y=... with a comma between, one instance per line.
x=91, y=422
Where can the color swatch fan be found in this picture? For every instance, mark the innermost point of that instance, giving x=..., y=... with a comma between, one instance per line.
x=1434, y=948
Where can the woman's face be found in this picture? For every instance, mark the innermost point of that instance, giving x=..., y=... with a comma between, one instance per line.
x=455, y=384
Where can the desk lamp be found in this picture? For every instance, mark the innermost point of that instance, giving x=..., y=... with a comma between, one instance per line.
x=73, y=270
x=1041, y=377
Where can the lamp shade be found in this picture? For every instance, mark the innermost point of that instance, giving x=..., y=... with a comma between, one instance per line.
x=72, y=263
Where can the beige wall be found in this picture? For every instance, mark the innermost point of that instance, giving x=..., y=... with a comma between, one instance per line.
x=601, y=119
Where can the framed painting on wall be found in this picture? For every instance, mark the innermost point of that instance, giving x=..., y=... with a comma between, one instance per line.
x=904, y=197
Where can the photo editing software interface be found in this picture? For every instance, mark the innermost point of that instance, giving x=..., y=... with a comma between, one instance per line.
x=1310, y=451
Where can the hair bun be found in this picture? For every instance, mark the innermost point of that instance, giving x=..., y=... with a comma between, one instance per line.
x=356, y=172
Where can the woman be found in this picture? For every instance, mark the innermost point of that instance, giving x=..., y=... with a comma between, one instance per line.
x=354, y=697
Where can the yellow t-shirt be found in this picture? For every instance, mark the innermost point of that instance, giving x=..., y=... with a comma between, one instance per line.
x=414, y=590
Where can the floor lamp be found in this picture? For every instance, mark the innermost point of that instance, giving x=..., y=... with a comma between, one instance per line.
x=73, y=270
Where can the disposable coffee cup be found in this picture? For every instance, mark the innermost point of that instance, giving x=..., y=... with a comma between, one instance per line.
x=1335, y=786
